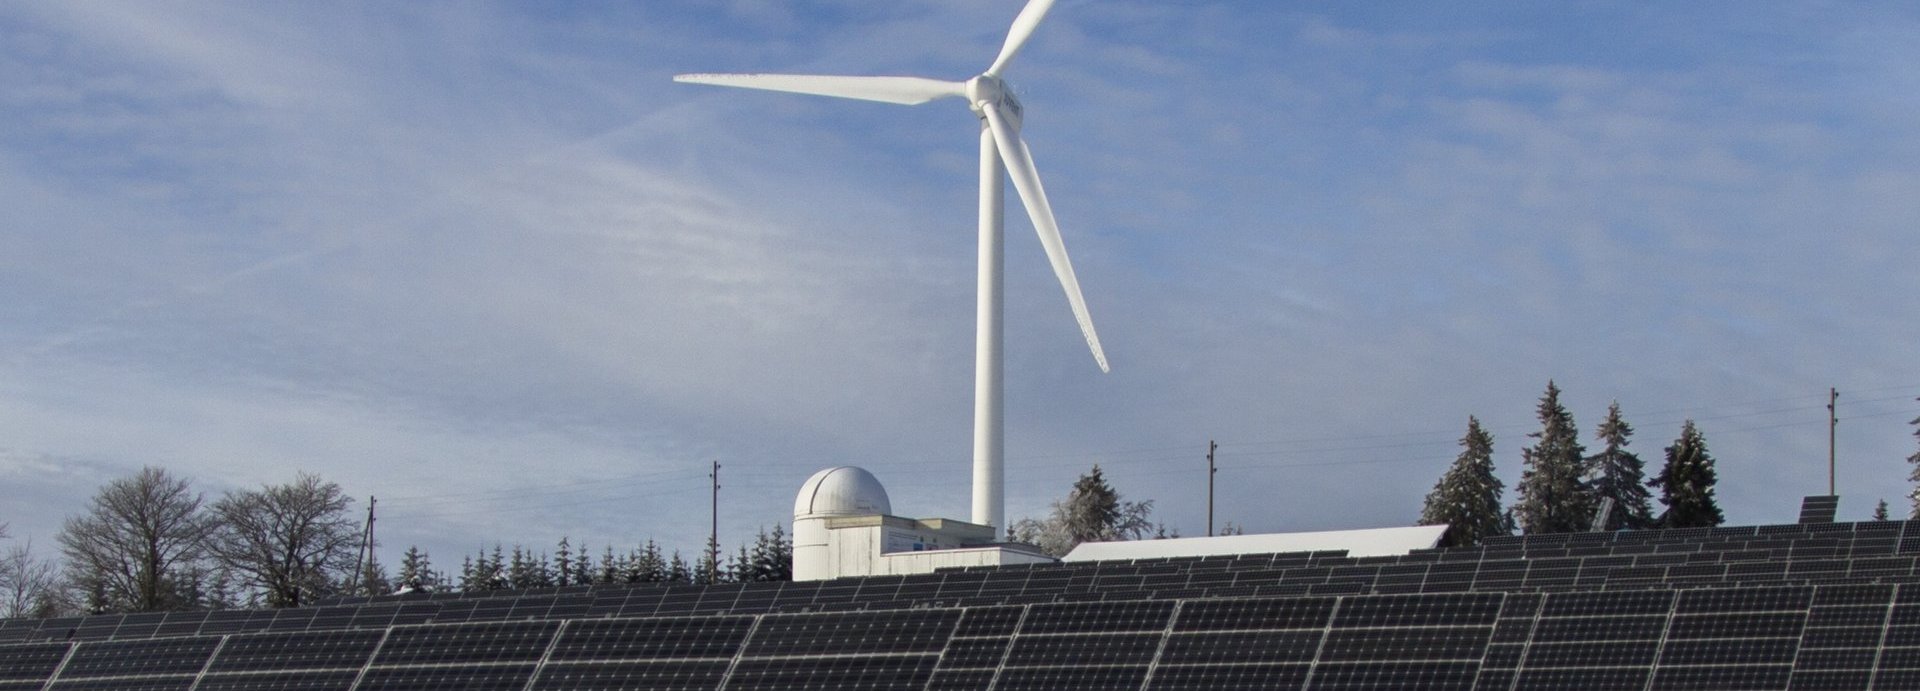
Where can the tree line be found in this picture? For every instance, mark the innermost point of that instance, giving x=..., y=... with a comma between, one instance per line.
x=149, y=542
x=1562, y=487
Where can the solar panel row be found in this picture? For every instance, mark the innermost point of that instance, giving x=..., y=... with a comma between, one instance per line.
x=1750, y=637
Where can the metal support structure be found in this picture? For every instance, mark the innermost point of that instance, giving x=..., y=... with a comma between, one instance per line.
x=713, y=538
x=1211, y=471
x=1833, y=421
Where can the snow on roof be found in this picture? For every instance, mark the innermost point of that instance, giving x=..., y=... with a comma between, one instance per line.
x=1372, y=542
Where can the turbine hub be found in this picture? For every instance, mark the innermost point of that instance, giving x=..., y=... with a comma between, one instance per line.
x=987, y=90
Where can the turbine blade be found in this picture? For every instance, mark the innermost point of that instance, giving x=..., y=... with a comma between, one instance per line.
x=1023, y=26
x=1026, y=181
x=902, y=90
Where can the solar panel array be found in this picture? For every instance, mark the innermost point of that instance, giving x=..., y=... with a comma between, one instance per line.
x=1492, y=626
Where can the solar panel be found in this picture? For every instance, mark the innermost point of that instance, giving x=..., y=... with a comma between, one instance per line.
x=306, y=680
x=647, y=674
x=467, y=678
x=850, y=672
x=156, y=656
x=31, y=661
x=648, y=639
x=303, y=650
x=1819, y=508
x=466, y=643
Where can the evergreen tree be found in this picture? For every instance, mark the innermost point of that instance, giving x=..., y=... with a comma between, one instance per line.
x=610, y=568
x=1880, y=511
x=1686, y=483
x=1467, y=497
x=740, y=569
x=1620, y=474
x=583, y=568
x=1553, y=497
x=496, y=571
x=563, y=563
x=708, y=569
x=1914, y=494
x=648, y=565
x=469, y=577
x=677, y=571
x=1092, y=511
x=416, y=571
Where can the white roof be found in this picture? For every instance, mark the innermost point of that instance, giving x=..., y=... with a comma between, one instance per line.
x=842, y=491
x=1372, y=542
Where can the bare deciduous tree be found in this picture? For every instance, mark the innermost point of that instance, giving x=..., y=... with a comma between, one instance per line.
x=131, y=548
x=29, y=586
x=292, y=543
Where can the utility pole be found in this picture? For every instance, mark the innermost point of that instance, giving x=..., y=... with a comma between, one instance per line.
x=366, y=569
x=713, y=539
x=1833, y=421
x=1211, y=471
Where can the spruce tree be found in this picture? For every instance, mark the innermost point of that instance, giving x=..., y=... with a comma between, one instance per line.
x=583, y=567
x=1553, y=496
x=1467, y=497
x=563, y=563
x=1880, y=511
x=1914, y=494
x=1686, y=483
x=416, y=571
x=707, y=569
x=610, y=567
x=677, y=571
x=1620, y=474
x=1093, y=508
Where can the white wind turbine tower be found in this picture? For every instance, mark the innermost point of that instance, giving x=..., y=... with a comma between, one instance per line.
x=1002, y=153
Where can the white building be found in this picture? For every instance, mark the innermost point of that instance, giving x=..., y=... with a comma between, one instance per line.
x=843, y=526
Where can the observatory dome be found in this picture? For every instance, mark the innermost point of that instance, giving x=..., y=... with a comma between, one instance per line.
x=841, y=491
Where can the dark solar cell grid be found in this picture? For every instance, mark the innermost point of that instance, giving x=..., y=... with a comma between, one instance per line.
x=1744, y=600
x=30, y=660
x=1732, y=677
x=178, y=683
x=1753, y=651
x=466, y=643
x=1097, y=617
x=1228, y=678
x=1608, y=654
x=896, y=631
x=1836, y=658
x=1843, y=637
x=1847, y=616
x=305, y=650
x=487, y=678
x=961, y=680
x=867, y=672
x=1581, y=604
x=1577, y=629
x=1758, y=625
x=610, y=639
x=989, y=621
x=1071, y=678
x=1418, y=610
x=1418, y=643
x=1602, y=679
x=1394, y=675
x=158, y=656
x=1088, y=649
x=616, y=676
x=280, y=681
x=1242, y=646
x=1838, y=681
x=974, y=653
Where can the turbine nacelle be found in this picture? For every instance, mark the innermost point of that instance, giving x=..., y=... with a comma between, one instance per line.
x=987, y=91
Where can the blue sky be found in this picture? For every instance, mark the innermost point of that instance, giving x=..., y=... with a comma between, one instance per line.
x=488, y=263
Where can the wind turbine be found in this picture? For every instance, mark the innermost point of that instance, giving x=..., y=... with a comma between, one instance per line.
x=1002, y=154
